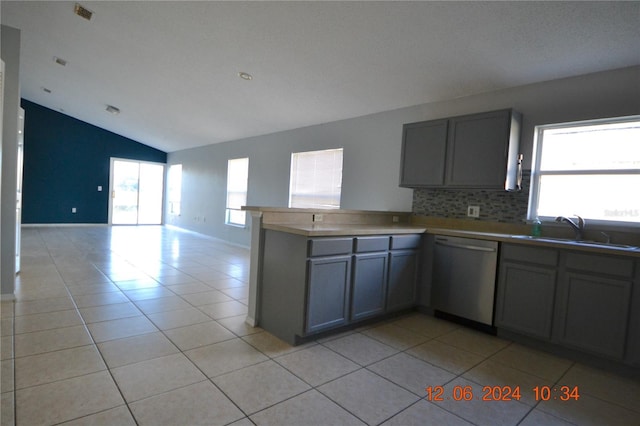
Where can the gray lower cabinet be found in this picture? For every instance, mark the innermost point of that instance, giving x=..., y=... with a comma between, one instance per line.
x=582, y=301
x=526, y=290
x=328, y=293
x=310, y=285
x=403, y=271
x=633, y=337
x=369, y=285
x=403, y=274
x=593, y=304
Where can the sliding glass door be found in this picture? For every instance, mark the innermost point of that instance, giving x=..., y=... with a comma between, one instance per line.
x=137, y=188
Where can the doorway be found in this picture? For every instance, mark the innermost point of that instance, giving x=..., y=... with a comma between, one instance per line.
x=137, y=189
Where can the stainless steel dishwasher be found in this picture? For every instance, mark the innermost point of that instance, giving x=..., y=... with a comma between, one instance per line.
x=464, y=277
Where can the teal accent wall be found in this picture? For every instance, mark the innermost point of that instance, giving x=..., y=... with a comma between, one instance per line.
x=65, y=160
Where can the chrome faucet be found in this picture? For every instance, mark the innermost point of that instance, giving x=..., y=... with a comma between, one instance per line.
x=578, y=227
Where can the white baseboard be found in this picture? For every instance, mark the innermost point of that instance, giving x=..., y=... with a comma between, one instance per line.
x=251, y=321
x=56, y=225
x=200, y=234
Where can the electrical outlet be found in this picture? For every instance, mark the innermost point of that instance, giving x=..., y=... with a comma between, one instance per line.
x=396, y=219
x=473, y=211
x=73, y=209
x=317, y=218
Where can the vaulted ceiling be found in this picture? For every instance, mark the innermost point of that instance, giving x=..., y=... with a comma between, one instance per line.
x=171, y=67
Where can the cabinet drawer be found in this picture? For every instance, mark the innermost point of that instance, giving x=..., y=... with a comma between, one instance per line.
x=330, y=246
x=537, y=255
x=399, y=242
x=366, y=244
x=600, y=264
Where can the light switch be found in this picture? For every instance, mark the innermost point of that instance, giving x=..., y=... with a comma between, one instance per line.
x=73, y=209
x=99, y=188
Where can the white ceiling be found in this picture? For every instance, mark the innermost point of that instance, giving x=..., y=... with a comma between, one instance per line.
x=172, y=67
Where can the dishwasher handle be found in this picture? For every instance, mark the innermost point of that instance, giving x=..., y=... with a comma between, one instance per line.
x=465, y=246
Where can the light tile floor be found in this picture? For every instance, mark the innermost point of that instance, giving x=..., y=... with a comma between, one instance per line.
x=145, y=325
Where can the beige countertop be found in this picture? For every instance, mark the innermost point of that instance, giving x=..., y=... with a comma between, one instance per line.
x=591, y=246
x=327, y=230
x=336, y=223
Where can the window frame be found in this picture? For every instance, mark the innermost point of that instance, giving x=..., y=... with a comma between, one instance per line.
x=174, y=195
x=230, y=210
x=292, y=182
x=536, y=173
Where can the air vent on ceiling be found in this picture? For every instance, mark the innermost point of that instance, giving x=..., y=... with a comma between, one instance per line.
x=82, y=12
x=113, y=110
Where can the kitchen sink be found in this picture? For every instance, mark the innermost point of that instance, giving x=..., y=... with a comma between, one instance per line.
x=583, y=243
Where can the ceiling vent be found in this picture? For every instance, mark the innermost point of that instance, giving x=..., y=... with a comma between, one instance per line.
x=113, y=110
x=82, y=12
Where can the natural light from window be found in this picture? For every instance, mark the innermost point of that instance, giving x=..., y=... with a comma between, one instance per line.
x=174, y=184
x=316, y=179
x=237, y=181
x=590, y=169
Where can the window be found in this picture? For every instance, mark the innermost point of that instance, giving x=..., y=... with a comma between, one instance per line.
x=316, y=179
x=589, y=168
x=174, y=190
x=237, y=179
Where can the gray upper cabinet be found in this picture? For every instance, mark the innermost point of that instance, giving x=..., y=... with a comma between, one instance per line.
x=478, y=149
x=471, y=151
x=424, y=149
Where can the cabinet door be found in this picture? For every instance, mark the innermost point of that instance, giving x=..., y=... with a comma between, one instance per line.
x=525, y=299
x=478, y=148
x=369, y=285
x=593, y=313
x=328, y=292
x=633, y=339
x=424, y=147
x=403, y=275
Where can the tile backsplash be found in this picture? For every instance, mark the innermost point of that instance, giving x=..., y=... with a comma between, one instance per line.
x=495, y=205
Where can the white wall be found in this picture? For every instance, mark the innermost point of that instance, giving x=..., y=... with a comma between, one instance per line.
x=10, y=50
x=372, y=147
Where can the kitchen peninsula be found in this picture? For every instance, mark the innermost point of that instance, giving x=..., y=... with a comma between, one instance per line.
x=312, y=270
